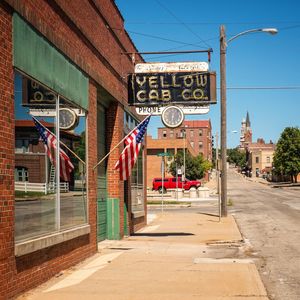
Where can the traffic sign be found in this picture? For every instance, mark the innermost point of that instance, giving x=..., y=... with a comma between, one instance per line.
x=164, y=154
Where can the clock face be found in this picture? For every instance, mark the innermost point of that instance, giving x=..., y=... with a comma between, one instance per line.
x=67, y=118
x=172, y=116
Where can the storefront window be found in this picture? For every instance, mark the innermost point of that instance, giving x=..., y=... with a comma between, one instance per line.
x=137, y=186
x=41, y=149
x=137, y=178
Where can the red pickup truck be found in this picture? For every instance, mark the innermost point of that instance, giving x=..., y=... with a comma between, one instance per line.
x=170, y=183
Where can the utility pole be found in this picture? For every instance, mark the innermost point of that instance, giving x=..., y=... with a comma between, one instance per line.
x=218, y=175
x=223, y=122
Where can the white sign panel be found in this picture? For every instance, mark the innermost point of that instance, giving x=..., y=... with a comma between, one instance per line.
x=48, y=112
x=171, y=67
x=157, y=110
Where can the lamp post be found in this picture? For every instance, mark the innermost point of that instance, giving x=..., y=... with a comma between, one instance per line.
x=223, y=47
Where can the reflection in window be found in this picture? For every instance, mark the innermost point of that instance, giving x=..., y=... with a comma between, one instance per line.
x=192, y=133
x=137, y=187
x=21, y=174
x=164, y=133
x=136, y=178
x=36, y=177
x=171, y=133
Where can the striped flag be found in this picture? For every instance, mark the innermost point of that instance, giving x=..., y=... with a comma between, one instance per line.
x=130, y=153
x=50, y=143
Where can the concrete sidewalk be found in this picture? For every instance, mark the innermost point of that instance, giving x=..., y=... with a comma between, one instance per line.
x=178, y=256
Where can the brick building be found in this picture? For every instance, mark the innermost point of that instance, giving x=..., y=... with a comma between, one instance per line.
x=31, y=161
x=198, y=135
x=260, y=157
x=259, y=154
x=57, y=55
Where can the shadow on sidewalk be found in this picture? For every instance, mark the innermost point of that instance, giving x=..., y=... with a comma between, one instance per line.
x=208, y=214
x=162, y=234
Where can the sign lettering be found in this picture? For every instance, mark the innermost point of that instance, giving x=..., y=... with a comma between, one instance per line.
x=164, y=88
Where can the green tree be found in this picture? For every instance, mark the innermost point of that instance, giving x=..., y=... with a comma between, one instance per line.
x=287, y=155
x=195, y=167
x=237, y=157
x=214, y=154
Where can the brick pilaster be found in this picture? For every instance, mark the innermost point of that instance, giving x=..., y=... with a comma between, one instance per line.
x=7, y=143
x=115, y=187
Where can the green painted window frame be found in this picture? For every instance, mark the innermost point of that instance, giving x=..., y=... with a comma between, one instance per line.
x=34, y=55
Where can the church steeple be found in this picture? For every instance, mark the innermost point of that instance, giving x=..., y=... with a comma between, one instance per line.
x=246, y=132
x=248, y=124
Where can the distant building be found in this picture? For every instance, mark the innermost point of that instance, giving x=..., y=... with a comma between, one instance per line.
x=260, y=157
x=156, y=146
x=246, y=133
x=197, y=133
x=193, y=136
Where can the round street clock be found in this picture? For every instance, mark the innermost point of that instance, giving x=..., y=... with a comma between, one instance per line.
x=67, y=118
x=172, y=116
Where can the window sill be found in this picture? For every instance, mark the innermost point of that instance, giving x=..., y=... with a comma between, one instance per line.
x=138, y=214
x=32, y=245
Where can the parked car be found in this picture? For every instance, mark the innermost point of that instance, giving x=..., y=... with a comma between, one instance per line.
x=170, y=183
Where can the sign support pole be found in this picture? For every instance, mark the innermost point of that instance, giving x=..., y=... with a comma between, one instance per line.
x=162, y=183
x=218, y=175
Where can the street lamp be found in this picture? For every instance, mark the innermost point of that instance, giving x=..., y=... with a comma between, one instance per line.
x=223, y=46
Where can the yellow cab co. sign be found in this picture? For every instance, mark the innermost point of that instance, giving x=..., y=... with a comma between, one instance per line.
x=178, y=83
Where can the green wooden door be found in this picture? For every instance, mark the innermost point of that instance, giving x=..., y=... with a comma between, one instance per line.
x=101, y=177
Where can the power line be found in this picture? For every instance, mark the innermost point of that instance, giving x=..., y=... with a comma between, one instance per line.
x=289, y=27
x=212, y=23
x=182, y=23
x=164, y=39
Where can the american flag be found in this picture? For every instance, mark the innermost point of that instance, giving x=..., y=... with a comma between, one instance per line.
x=130, y=153
x=50, y=143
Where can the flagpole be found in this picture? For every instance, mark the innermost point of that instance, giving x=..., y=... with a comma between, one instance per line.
x=60, y=141
x=103, y=158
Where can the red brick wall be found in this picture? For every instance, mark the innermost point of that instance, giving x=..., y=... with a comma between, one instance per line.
x=7, y=143
x=92, y=161
x=90, y=33
x=196, y=138
x=35, y=164
x=93, y=42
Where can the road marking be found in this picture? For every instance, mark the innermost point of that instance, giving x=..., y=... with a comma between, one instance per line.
x=84, y=272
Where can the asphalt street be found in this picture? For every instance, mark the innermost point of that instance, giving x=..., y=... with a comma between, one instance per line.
x=269, y=218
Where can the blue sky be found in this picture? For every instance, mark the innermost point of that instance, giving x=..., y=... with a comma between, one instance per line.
x=254, y=60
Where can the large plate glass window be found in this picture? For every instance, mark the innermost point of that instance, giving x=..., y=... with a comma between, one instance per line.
x=137, y=174
x=50, y=156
